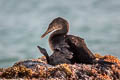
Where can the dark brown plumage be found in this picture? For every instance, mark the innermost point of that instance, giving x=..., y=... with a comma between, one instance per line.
x=66, y=48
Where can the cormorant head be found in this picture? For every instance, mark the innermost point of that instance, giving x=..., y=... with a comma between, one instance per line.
x=57, y=24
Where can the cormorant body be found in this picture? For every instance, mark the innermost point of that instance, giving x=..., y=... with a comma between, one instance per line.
x=66, y=48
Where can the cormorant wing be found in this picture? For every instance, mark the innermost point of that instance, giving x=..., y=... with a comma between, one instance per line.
x=81, y=54
x=62, y=47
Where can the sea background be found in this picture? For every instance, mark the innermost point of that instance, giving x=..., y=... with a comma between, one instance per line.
x=22, y=22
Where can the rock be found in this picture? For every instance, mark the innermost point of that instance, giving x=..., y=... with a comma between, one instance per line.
x=39, y=69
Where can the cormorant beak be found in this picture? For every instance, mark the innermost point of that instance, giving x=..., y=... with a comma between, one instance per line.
x=48, y=31
x=44, y=34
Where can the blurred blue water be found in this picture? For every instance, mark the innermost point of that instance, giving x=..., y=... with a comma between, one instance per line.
x=22, y=22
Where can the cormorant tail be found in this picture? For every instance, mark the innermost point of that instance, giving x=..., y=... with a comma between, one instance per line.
x=44, y=52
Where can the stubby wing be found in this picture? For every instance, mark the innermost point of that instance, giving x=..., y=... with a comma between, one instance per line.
x=81, y=54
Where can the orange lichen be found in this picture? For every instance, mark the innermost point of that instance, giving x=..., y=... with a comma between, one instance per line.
x=93, y=71
x=102, y=77
x=106, y=77
x=17, y=71
x=1, y=69
x=110, y=58
x=98, y=55
x=65, y=68
x=62, y=67
x=42, y=72
x=43, y=58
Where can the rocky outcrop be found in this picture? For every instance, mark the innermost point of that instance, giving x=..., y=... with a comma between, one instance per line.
x=39, y=69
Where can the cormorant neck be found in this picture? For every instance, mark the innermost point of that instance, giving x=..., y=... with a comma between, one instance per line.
x=57, y=36
x=59, y=32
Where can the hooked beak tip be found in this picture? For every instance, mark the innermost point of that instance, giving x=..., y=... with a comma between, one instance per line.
x=41, y=37
x=44, y=35
x=48, y=31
